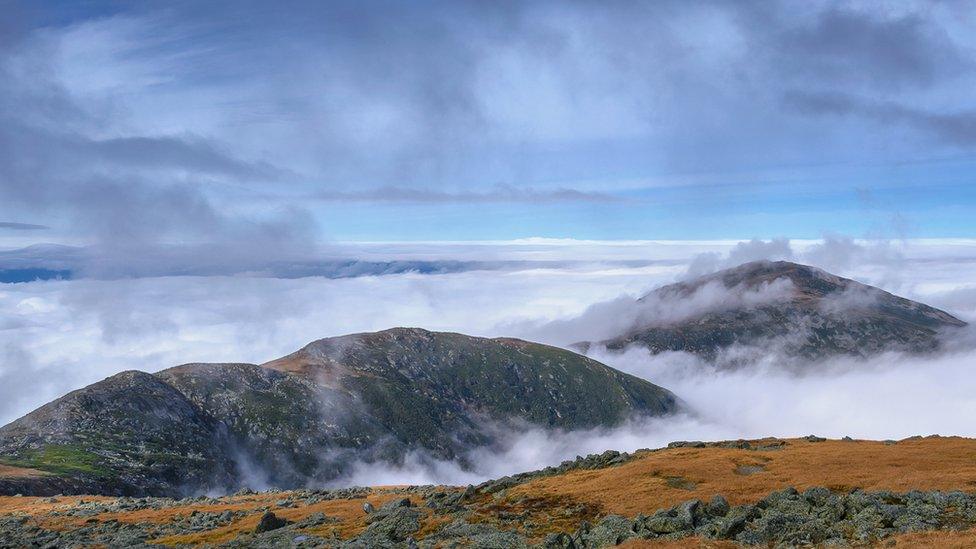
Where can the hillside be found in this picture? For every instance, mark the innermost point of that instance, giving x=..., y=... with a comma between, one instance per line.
x=780, y=307
x=308, y=417
x=909, y=493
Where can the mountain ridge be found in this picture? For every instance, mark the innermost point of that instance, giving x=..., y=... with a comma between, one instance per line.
x=372, y=396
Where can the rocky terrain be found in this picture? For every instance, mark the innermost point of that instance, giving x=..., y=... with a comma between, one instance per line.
x=306, y=418
x=782, y=307
x=915, y=492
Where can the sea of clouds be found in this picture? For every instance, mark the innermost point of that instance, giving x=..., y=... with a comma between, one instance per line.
x=56, y=336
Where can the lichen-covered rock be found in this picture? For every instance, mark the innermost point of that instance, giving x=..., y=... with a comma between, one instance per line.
x=611, y=530
x=390, y=525
x=718, y=506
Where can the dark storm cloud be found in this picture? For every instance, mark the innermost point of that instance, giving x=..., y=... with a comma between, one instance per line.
x=957, y=128
x=840, y=44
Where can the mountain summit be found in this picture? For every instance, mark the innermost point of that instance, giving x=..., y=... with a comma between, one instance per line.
x=308, y=417
x=797, y=310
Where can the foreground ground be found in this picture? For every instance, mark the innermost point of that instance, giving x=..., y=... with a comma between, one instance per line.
x=575, y=498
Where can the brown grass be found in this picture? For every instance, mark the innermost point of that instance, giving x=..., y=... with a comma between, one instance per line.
x=643, y=485
x=653, y=480
x=9, y=471
x=963, y=539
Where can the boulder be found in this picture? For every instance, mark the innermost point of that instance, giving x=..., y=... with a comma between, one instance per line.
x=269, y=521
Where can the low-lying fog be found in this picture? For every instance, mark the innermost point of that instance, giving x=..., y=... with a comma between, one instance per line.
x=56, y=336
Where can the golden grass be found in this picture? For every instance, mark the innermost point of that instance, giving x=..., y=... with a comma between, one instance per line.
x=647, y=483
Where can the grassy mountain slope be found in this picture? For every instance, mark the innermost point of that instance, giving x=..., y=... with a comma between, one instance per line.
x=310, y=416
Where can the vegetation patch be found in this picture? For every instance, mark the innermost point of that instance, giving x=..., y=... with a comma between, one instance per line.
x=680, y=483
x=60, y=459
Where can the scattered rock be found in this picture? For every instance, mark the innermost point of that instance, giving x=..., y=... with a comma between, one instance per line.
x=270, y=522
x=686, y=444
x=612, y=530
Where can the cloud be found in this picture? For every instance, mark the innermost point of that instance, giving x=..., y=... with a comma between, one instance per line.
x=840, y=253
x=622, y=314
x=65, y=155
x=890, y=396
x=502, y=193
x=882, y=48
x=22, y=226
x=529, y=449
x=743, y=252
x=355, y=102
x=954, y=128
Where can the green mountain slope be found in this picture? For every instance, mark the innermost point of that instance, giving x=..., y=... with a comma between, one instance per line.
x=306, y=417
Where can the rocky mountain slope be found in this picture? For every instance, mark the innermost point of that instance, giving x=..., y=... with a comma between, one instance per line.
x=307, y=417
x=779, y=306
x=769, y=492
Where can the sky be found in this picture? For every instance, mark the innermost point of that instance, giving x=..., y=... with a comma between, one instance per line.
x=271, y=128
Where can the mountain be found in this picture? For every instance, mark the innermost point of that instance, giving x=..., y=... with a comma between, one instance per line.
x=307, y=417
x=798, y=310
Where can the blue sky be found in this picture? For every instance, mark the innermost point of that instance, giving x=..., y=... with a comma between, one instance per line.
x=267, y=126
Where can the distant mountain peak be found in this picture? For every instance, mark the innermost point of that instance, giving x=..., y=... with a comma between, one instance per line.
x=785, y=307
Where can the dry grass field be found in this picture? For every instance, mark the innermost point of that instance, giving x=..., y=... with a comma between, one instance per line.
x=653, y=480
x=664, y=478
